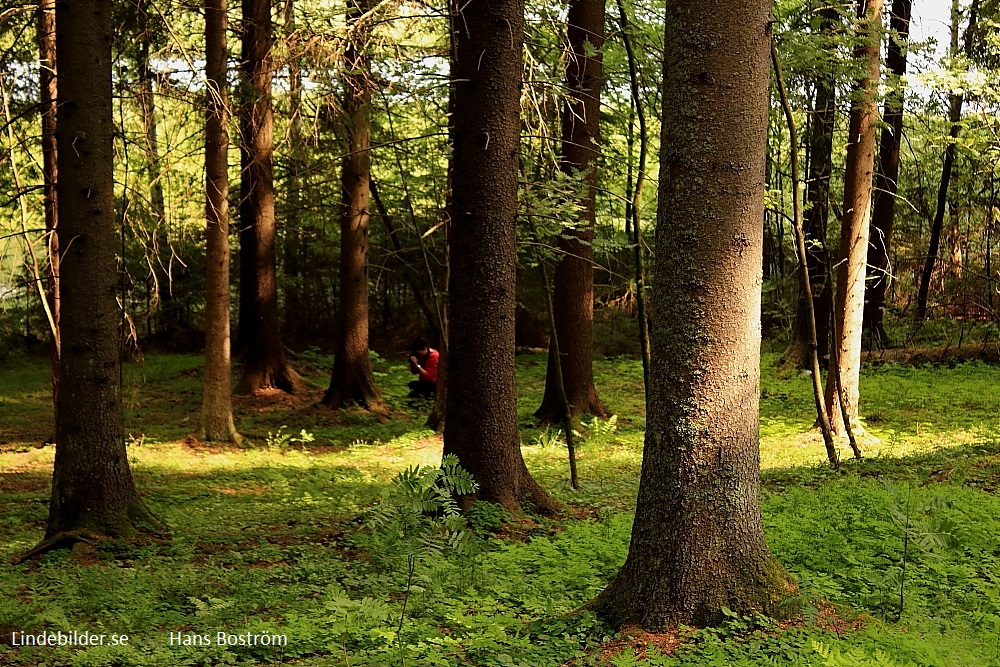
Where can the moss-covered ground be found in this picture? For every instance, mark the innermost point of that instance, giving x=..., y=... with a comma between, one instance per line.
x=897, y=556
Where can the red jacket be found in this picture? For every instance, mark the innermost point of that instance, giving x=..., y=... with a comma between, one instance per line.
x=429, y=369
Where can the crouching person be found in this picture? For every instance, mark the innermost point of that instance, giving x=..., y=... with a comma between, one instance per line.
x=424, y=364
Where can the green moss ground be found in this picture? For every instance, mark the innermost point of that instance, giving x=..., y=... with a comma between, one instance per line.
x=268, y=537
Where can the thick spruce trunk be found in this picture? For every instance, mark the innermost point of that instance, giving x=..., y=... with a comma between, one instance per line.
x=352, y=381
x=849, y=302
x=886, y=178
x=573, y=288
x=264, y=363
x=698, y=541
x=817, y=212
x=216, y=410
x=481, y=427
x=92, y=488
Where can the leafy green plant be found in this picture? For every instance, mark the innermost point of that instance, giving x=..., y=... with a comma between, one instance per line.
x=418, y=519
x=601, y=431
x=923, y=527
x=281, y=439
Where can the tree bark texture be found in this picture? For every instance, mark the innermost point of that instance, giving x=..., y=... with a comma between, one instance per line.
x=481, y=427
x=955, y=103
x=817, y=210
x=216, y=410
x=887, y=177
x=264, y=363
x=92, y=486
x=573, y=289
x=46, y=15
x=698, y=541
x=352, y=381
x=849, y=301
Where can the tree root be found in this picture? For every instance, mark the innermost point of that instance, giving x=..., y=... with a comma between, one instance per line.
x=65, y=540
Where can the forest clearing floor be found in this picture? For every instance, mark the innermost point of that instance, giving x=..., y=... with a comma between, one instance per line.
x=274, y=537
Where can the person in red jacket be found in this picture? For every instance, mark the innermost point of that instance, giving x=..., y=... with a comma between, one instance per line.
x=424, y=364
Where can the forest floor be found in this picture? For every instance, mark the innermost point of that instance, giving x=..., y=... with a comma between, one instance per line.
x=896, y=556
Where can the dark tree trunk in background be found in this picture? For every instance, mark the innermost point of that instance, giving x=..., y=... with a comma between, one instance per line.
x=264, y=363
x=481, y=427
x=92, y=487
x=854, y=232
x=352, y=381
x=46, y=15
x=216, y=410
x=817, y=211
x=887, y=177
x=698, y=540
x=573, y=290
x=955, y=103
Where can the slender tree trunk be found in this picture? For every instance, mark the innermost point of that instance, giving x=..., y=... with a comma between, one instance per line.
x=481, y=427
x=817, y=211
x=990, y=227
x=955, y=103
x=850, y=295
x=805, y=278
x=245, y=232
x=887, y=177
x=264, y=363
x=216, y=411
x=410, y=274
x=574, y=277
x=162, y=255
x=295, y=305
x=47, y=85
x=698, y=541
x=437, y=417
x=92, y=487
x=352, y=380
x=633, y=206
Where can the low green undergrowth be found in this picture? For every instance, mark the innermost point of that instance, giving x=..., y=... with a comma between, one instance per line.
x=329, y=542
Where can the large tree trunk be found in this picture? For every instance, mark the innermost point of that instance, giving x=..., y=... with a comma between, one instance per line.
x=860, y=164
x=886, y=179
x=698, y=540
x=481, y=428
x=216, y=411
x=573, y=290
x=92, y=487
x=264, y=363
x=818, y=211
x=955, y=103
x=47, y=85
x=352, y=381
